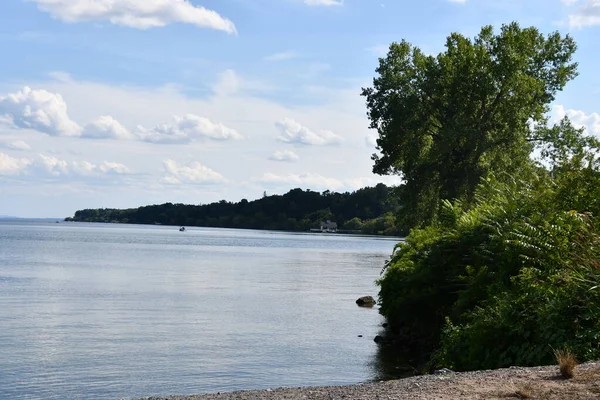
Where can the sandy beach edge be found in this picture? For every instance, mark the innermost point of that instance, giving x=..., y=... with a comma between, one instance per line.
x=515, y=382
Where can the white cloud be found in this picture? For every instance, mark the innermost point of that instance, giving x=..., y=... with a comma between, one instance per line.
x=285, y=155
x=458, y=1
x=283, y=56
x=140, y=14
x=46, y=112
x=38, y=110
x=83, y=168
x=292, y=132
x=324, y=2
x=191, y=173
x=339, y=110
x=591, y=122
x=44, y=165
x=106, y=128
x=309, y=180
x=317, y=181
x=15, y=145
x=55, y=166
x=113, y=168
x=12, y=166
x=187, y=129
x=586, y=15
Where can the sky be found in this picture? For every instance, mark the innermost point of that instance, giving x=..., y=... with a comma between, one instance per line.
x=124, y=103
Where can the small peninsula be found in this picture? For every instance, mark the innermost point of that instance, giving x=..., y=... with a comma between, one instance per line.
x=370, y=210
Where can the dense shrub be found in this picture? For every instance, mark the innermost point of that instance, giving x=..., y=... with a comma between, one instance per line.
x=503, y=282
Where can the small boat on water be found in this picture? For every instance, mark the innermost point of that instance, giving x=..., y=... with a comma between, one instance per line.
x=182, y=229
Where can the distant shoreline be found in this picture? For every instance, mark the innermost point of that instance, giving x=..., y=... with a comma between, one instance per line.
x=8, y=218
x=339, y=232
x=370, y=210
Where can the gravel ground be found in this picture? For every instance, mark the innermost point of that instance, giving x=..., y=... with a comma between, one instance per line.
x=516, y=383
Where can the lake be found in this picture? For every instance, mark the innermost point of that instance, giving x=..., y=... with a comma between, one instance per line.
x=107, y=311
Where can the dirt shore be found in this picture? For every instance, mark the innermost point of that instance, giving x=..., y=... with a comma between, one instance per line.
x=515, y=382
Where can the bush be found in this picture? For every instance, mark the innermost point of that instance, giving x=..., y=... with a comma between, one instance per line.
x=500, y=283
x=354, y=224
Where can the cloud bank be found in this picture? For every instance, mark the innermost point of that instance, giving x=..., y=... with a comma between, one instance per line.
x=49, y=166
x=194, y=172
x=46, y=112
x=139, y=14
x=292, y=132
x=106, y=128
x=284, y=155
x=38, y=110
x=187, y=129
x=11, y=165
x=591, y=122
x=310, y=180
x=15, y=145
x=585, y=15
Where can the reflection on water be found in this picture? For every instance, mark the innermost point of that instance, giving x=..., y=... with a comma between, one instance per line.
x=123, y=311
x=395, y=362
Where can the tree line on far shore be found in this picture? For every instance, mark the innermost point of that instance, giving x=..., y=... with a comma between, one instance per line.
x=369, y=210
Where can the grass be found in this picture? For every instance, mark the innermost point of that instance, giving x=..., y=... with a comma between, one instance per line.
x=566, y=363
x=525, y=392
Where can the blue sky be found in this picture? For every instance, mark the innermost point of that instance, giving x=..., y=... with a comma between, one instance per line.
x=121, y=103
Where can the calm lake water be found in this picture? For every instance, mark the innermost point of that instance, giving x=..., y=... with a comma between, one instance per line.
x=99, y=311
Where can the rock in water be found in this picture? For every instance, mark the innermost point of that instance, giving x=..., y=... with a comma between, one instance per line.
x=366, y=301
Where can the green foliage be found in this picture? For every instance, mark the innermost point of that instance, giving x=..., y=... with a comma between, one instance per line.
x=446, y=121
x=504, y=281
x=384, y=225
x=355, y=224
x=496, y=271
x=297, y=210
x=562, y=144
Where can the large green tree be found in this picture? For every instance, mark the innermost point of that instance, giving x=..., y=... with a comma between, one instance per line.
x=446, y=121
